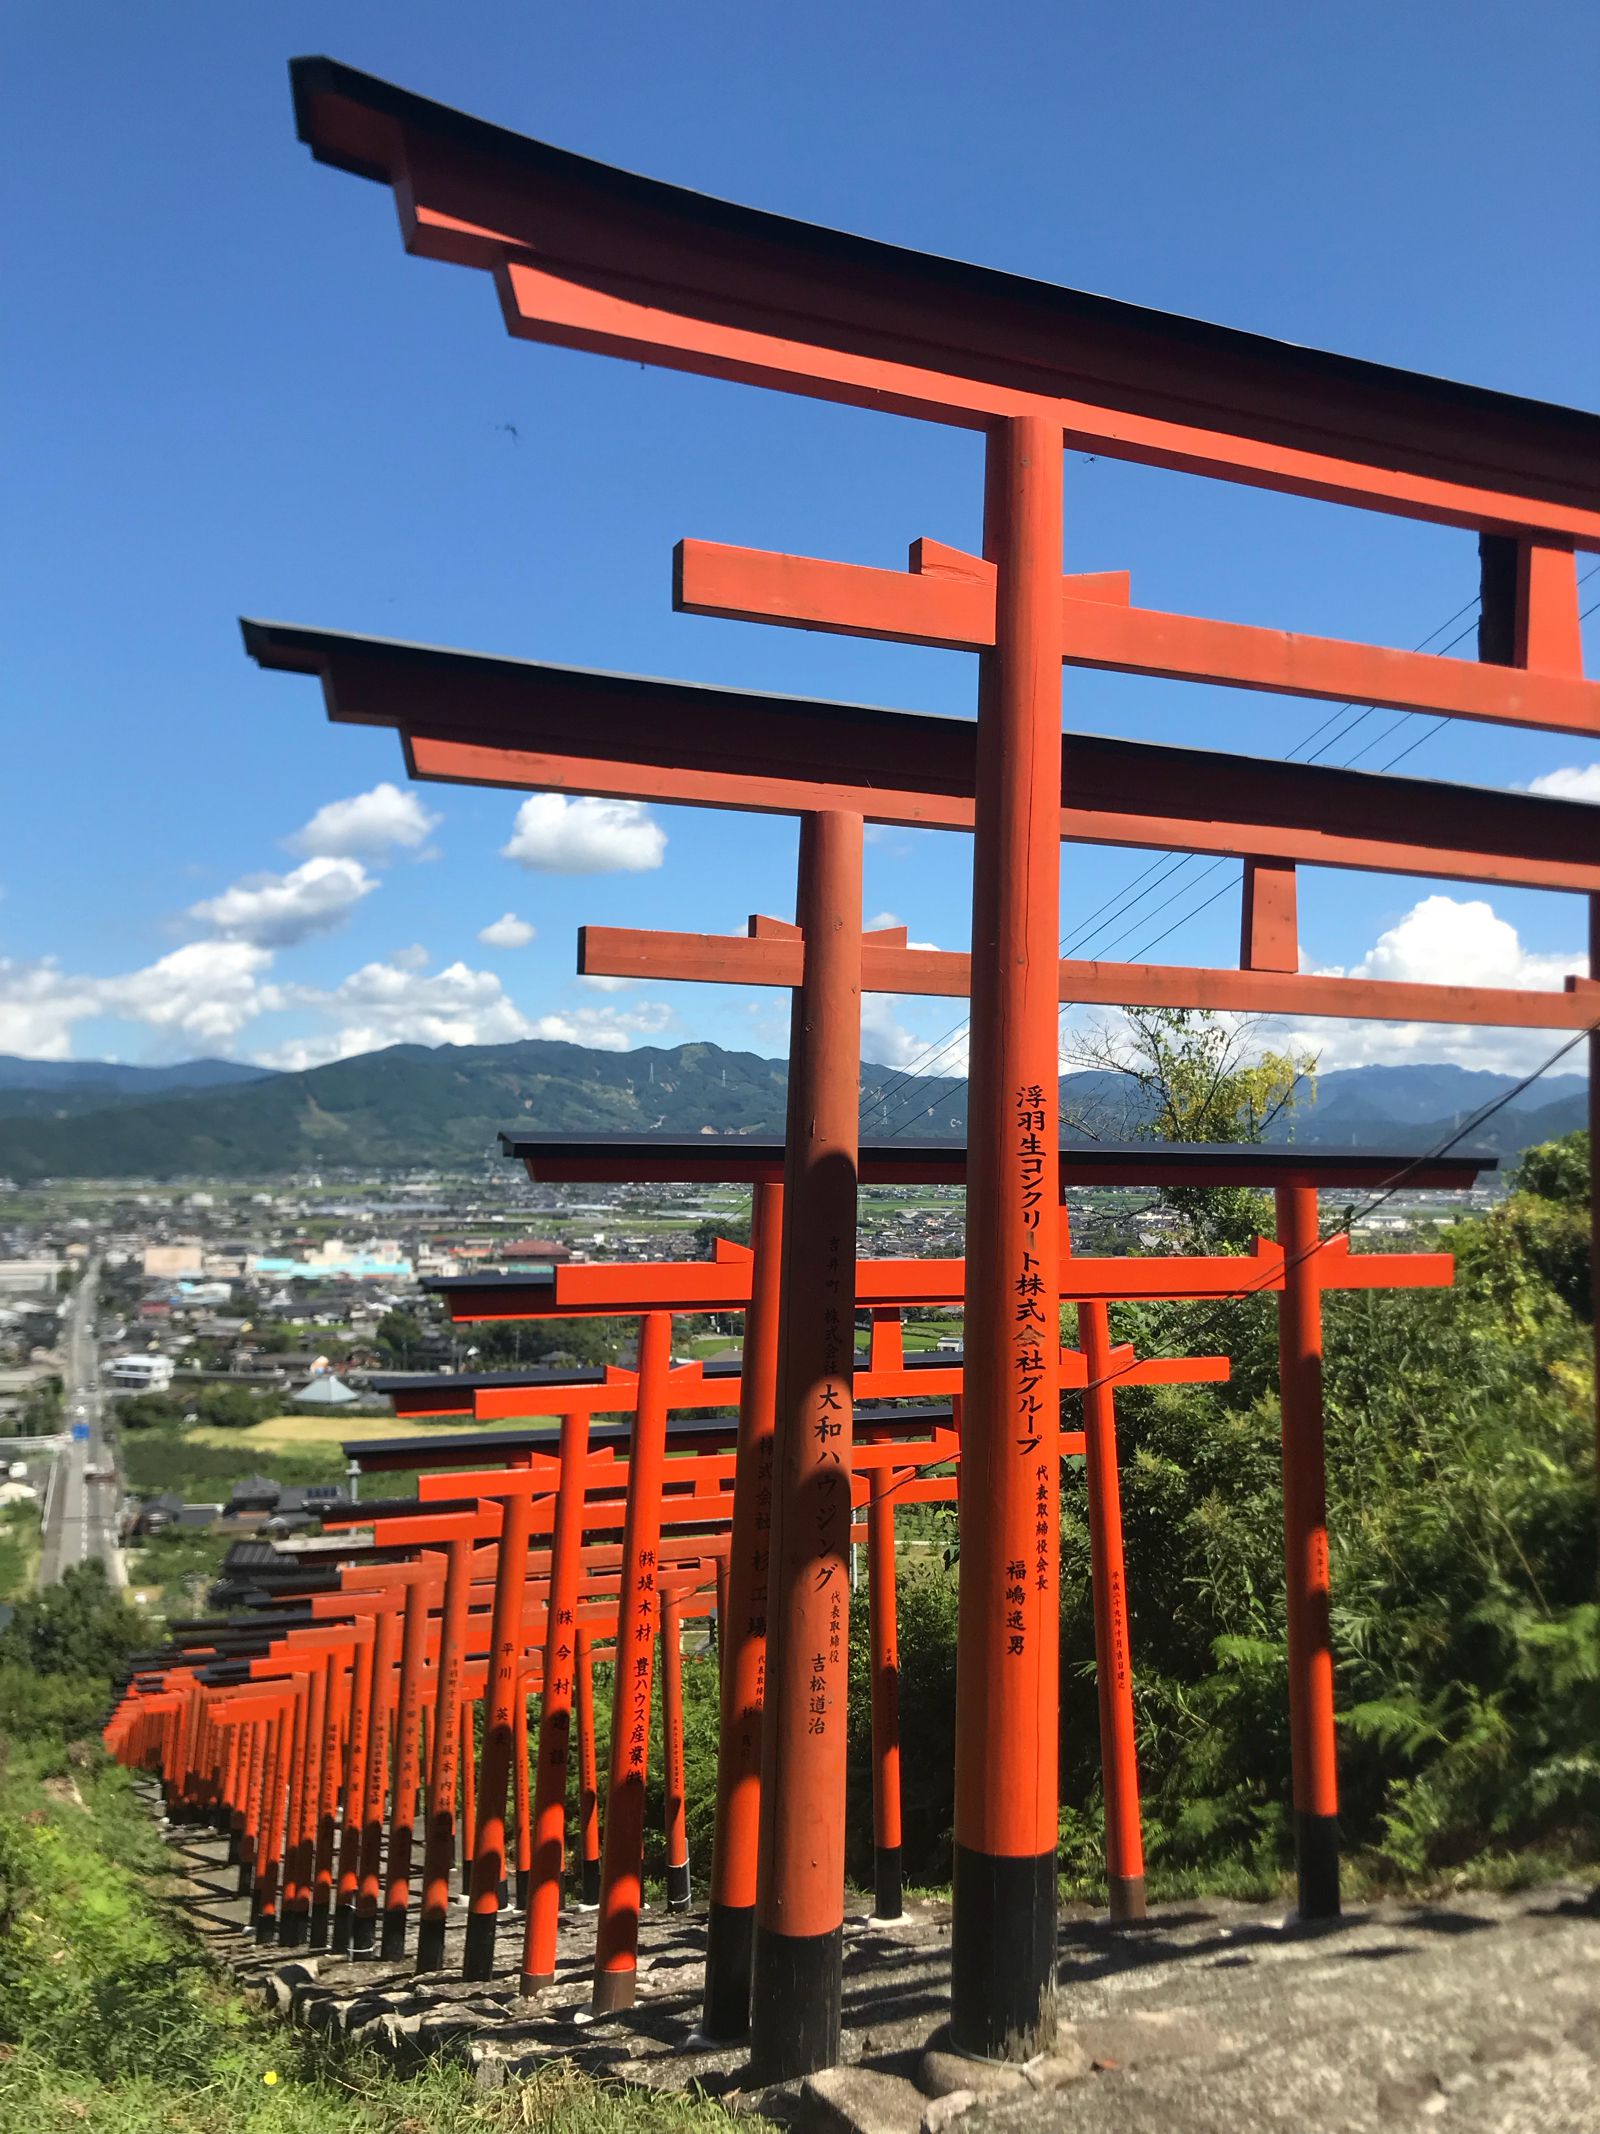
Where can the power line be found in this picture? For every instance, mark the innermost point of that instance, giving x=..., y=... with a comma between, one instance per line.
x=1168, y=866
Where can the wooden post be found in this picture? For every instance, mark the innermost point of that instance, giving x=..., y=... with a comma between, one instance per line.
x=555, y=1712
x=677, y=1834
x=1119, y=1755
x=799, y=1937
x=888, y=1899
x=742, y=1636
x=1003, y=1946
x=622, y=1874
x=1305, y=1550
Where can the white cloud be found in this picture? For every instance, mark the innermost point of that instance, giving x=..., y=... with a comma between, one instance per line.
x=1446, y=940
x=367, y=824
x=586, y=836
x=277, y=910
x=597, y=982
x=884, y=1038
x=39, y=1004
x=1580, y=782
x=206, y=991
x=1450, y=941
x=508, y=931
x=606, y=1029
x=880, y=920
x=383, y=1004
x=414, y=958
x=202, y=994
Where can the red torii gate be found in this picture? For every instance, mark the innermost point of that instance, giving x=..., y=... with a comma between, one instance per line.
x=731, y=1279
x=596, y=259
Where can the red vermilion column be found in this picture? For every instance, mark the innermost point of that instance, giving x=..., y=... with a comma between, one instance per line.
x=235, y=1786
x=677, y=1832
x=255, y=1734
x=622, y=1866
x=355, y=1779
x=887, y=1900
x=369, y=1885
x=1594, y=1175
x=1003, y=1941
x=468, y=1768
x=269, y=1844
x=1305, y=1550
x=420, y=1592
x=439, y=1839
x=588, y=1775
x=799, y=1932
x=1113, y=1664
x=742, y=1642
x=501, y=1689
x=339, y=1666
x=520, y=1787
x=555, y=1713
x=294, y=1923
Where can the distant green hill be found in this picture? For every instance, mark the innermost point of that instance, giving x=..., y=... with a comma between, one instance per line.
x=410, y=1104
x=443, y=1107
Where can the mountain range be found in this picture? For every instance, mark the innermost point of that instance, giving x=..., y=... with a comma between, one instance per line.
x=414, y=1105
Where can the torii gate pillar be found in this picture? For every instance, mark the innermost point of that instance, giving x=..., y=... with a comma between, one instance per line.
x=1305, y=1540
x=799, y=1926
x=1006, y=1817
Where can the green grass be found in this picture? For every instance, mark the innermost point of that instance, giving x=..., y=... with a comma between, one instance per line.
x=114, y=2021
x=19, y=1549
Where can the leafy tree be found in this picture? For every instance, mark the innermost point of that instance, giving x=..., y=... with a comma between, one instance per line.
x=1195, y=1076
x=77, y=1626
x=400, y=1337
x=151, y=1411
x=1546, y=1220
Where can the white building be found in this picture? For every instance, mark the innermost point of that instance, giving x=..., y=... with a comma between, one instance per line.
x=140, y=1373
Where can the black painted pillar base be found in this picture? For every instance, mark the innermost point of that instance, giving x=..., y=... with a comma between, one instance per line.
x=614, y=1991
x=1316, y=1849
x=730, y=1939
x=363, y=1932
x=888, y=1891
x=430, y=1945
x=591, y=1885
x=292, y=1929
x=247, y=1878
x=344, y=1920
x=1127, y=1898
x=320, y=1926
x=392, y=1940
x=524, y=1877
x=678, y=1888
x=266, y=1928
x=796, y=1990
x=1003, y=1955
x=477, y=1959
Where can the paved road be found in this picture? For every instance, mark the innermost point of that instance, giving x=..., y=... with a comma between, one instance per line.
x=81, y=1509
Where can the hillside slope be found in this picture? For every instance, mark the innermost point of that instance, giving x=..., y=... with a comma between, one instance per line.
x=413, y=1105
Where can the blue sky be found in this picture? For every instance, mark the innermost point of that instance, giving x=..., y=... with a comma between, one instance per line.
x=232, y=392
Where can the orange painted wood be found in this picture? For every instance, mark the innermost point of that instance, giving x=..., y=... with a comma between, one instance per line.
x=753, y=585
x=1269, y=927
x=732, y=960
x=499, y=764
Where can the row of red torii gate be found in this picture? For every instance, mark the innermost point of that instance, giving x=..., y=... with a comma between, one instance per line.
x=308, y=1724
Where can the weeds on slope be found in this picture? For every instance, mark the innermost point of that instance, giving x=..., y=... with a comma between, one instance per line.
x=113, y=2020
